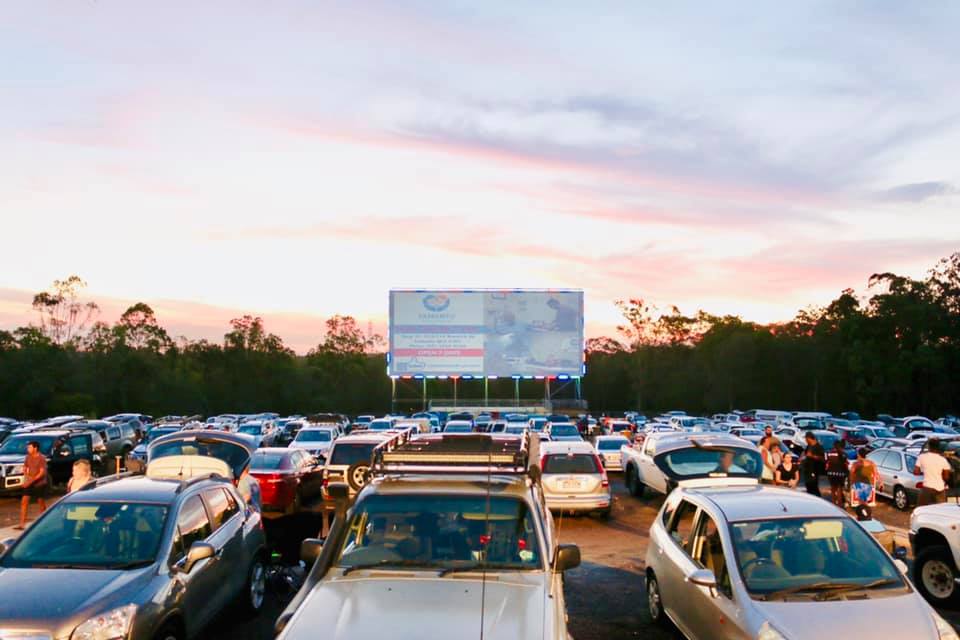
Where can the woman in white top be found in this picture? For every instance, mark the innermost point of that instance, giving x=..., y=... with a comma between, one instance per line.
x=81, y=475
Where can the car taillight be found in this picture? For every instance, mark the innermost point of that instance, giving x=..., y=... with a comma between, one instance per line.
x=605, y=482
x=272, y=478
x=543, y=462
x=326, y=482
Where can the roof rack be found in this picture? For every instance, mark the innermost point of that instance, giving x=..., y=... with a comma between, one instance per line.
x=113, y=477
x=458, y=453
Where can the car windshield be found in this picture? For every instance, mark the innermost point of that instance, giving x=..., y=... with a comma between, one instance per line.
x=235, y=455
x=564, y=430
x=153, y=434
x=571, y=463
x=803, y=556
x=613, y=444
x=346, y=453
x=380, y=425
x=457, y=428
x=452, y=532
x=880, y=432
x=17, y=445
x=252, y=429
x=312, y=435
x=515, y=428
x=619, y=426
x=703, y=462
x=269, y=460
x=91, y=535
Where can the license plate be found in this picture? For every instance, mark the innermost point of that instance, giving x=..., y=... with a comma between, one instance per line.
x=571, y=484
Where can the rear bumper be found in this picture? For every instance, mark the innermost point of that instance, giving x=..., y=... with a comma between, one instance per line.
x=578, y=503
x=612, y=465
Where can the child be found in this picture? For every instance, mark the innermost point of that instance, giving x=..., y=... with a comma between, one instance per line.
x=81, y=475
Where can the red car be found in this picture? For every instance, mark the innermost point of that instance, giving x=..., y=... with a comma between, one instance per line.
x=287, y=477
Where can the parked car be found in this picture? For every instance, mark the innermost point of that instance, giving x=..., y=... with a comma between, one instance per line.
x=667, y=460
x=473, y=542
x=133, y=558
x=316, y=441
x=887, y=443
x=61, y=448
x=563, y=432
x=748, y=433
x=349, y=460
x=119, y=438
x=574, y=479
x=896, y=474
x=264, y=434
x=458, y=426
x=608, y=448
x=910, y=424
x=137, y=460
x=875, y=431
x=286, y=477
x=936, y=553
x=773, y=564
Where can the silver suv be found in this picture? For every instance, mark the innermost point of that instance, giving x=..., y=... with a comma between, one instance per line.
x=455, y=522
x=133, y=558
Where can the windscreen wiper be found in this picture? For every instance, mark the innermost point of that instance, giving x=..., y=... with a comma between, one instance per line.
x=492, y=568
x=391, y=563
x=825, y=587
x=882, y=582
x=130, y=565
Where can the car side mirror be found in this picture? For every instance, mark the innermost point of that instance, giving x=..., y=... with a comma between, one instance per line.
x=310, y=550
x=703, y=578
x=6, y=544
x=900, y=553
x=568, y=557
x=198, y=551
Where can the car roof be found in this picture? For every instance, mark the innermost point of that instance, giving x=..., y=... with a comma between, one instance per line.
x=569, y=446
x=376, y=436
x=670, y=441
x=612, y=437
x=138, y=489
x=764, y=502
x=498, y=484
x=317, y=427
x=207, y=434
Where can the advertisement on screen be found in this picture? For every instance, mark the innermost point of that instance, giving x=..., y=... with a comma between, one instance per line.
x=486, y=333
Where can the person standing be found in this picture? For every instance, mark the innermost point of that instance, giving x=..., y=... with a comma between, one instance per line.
x=864, y=478
x=81, y=475
x=812, y=464
x=769, y=451
x=936, y=472
x=788, y=475
x=837, y=472
x=34, y=481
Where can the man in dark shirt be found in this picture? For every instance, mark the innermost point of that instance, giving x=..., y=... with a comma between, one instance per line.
x=812, y=464
x=34, y=481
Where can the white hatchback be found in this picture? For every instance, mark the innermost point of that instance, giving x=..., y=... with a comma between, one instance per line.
x=574, y=478
x=608, y=448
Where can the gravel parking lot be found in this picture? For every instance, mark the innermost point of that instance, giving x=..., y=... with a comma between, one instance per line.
x=605, y=595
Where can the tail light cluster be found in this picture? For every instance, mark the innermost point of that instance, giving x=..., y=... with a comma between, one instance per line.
x=605, y=482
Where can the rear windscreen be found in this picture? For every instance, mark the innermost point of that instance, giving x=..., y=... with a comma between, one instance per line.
x=347, y=453
x=567, y=463
x=702, y=462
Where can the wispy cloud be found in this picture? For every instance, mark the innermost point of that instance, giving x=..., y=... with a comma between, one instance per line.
x=917, y=191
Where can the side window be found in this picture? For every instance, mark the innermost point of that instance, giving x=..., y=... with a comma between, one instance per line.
x=216, y=500
x=192, y=526
x=80, y=446
x=127, y=430
x=113, y=433
x=892, y=461
x=682, y=528
x=233, y=507
x=668, y=508
x=708, y=553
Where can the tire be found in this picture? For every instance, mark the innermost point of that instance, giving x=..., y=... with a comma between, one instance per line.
x=900, y=498
x=169, y=631
x=655, y=602
x=357, y=475
x=254, y=590
x=934, y=574
x=634, y=486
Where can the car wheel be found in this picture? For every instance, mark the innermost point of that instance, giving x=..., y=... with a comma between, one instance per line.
x=169, y=631
x=900, y=498
x=655, y=601
x=251, y=598
x=934, y=573
x=635, y=486
x=357, y=475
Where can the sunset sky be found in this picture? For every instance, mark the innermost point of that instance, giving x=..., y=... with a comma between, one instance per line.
x=299, y=159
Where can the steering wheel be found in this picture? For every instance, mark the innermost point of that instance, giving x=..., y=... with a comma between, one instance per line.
x=754, y=563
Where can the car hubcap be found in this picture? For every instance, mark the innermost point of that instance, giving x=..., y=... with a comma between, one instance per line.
x=359, y=475
x=257, y=586
x=937, y=579
x=901, y=499
x=653, y=599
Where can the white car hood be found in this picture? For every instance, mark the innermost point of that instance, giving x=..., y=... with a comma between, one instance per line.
x=903, y=616
x=947, y=510
x=421, y=606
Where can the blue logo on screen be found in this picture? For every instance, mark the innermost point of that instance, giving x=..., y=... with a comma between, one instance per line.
x=436, y=302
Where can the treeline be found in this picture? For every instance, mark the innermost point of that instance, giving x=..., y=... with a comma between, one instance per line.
x=895, y=349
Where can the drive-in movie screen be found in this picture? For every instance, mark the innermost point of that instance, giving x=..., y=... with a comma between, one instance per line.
x=486, y=333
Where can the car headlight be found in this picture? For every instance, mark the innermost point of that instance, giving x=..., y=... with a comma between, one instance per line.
x=15, y=470
x=769, y=632
x=944, y=629
x=111, y=625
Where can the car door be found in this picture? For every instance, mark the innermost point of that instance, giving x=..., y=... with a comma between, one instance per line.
x=227, y=539
x=650, y=474
x=197, y=589
x=878, y=458
x=890, y=471
x=713, y=613
x=675, y=564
